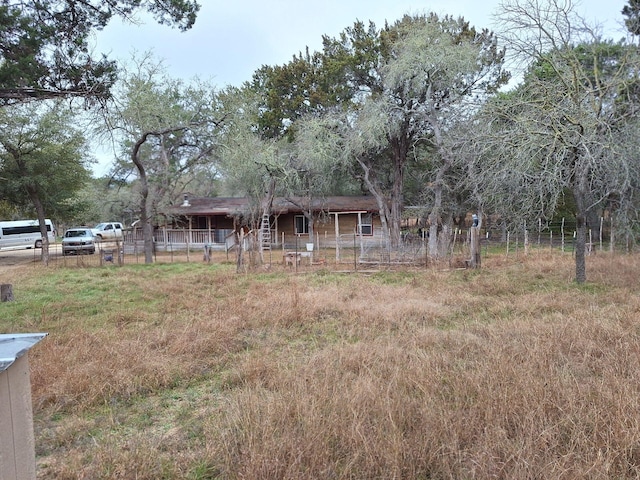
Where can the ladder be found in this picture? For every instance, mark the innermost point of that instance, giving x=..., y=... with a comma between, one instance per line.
x=265, y=233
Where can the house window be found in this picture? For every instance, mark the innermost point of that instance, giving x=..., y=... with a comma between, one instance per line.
x=366, y=224
x=302, y=225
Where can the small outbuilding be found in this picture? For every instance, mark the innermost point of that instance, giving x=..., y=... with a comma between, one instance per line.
x=17, y=443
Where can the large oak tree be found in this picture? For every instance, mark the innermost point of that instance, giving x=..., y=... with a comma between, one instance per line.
x=43, y=161
x=165, y=129
x=397, y=90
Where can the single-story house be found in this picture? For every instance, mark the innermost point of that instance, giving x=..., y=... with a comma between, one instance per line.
x=336, y=217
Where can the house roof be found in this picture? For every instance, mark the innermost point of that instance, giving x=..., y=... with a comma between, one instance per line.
x=232, y=206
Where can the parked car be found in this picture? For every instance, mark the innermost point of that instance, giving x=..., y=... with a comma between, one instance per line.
x=107, y=231
x=78, y=240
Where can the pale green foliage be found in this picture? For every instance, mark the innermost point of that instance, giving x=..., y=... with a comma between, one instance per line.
x=430, y=58
x=155, y=102
x=247, y=163
x=319, y=141
x=373, y=126
x=246, y=160
x=314, y=163
x=177, y=123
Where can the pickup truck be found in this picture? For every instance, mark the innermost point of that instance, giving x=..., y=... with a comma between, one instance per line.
x=107, y=231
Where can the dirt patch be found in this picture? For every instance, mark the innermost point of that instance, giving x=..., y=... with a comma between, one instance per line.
x=11, y=260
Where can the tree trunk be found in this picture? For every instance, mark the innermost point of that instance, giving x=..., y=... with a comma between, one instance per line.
x=145, y=220
x=435, y=216
x=6, y=292
x=372, y=186
x=434, y=221
x=399, y=148
x=445, y=238
x=147, y=235
x=37, y=203
x=239, y=256
x=581, y=235
x=311, y=232
x=392, y=218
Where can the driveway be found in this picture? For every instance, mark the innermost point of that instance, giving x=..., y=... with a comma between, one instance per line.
x=11, y=258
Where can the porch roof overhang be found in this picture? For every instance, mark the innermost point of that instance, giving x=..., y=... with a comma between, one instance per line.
x=211, y=206
x=237, y=206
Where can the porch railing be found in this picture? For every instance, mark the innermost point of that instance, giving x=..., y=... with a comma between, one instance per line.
x=167, y=237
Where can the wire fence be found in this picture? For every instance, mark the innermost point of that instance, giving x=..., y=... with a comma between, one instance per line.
x=354, y=251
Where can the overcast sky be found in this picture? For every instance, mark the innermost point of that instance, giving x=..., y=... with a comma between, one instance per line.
x=232, y=39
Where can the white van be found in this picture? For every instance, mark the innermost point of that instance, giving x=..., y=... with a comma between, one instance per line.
x=107, y=231
x=25, y=233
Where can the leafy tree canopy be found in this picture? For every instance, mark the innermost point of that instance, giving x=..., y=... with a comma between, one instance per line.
x=44, y=49
x=632, y=12
x=43, y=159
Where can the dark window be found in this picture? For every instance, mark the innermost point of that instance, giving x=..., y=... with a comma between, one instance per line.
x=302, y=225
x=23, y=229
x=366, y=224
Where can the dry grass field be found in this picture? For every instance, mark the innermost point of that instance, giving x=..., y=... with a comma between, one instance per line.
x=191, y=371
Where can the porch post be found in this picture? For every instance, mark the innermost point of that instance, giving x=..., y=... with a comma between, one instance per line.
x=189, y=240
x=337, y=227
x=359, y=230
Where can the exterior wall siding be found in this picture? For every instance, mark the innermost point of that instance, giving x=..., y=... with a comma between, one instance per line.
x=323, y=228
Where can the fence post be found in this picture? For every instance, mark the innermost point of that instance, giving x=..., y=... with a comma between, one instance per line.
x=539, y=230
x=355, y=256
x=337, y=230
x=601, y=220
x=187, y=239
x=475, y=247
x=453, y=244
x=611, y=247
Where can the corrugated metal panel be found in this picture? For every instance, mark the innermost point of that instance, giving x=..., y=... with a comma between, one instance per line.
x=14, y=345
